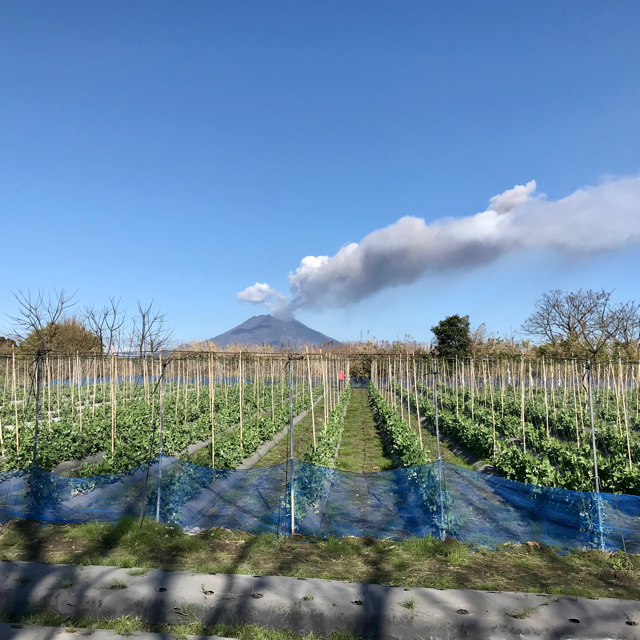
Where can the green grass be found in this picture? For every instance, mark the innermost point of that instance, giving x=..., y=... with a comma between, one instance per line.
x=191, y=625
x=302, y=438
x=361, y=449
x=421, y=562
x=522, y=614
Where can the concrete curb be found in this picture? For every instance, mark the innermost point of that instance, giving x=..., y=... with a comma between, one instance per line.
x=33, y=632
x=301, y=605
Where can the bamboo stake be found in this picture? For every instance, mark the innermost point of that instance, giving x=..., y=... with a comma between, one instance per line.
x=185, y=388
x=324, y=384
x=281, y=383
x=313, y=419
x=113, y=408
x=212, y=411
x=626, y=422
x=72, y=388
x=198, y=385
x=177, y=391
x=415, y=388
x=524, y=435
x=472, y=380
x=401, y=389
x=48, y=369
x=615, y=388
x=273, y=409
x=224, y=383
x=575, y=408
x=546, y=405
x=257, y=386
x=553, y=389
x=79, y=370
x=503, y=367
x=607, y=385
x=15, y=400
x=240, y=391
x=493, y=413
x=408, y=393
x=580, y=399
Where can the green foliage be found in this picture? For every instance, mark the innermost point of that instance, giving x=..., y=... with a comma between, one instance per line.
x=401, y=440
x=327, y=443
x=80, y=425
x=549, y=460
x=6, y=345
x=453, y=338
x=69, y=336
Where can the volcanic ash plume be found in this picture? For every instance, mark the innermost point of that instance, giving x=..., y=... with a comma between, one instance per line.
x=591, y=220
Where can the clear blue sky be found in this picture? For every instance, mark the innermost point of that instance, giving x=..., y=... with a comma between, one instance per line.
x=182, y=151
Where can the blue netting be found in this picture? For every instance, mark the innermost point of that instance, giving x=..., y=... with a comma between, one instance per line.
x=400, y=503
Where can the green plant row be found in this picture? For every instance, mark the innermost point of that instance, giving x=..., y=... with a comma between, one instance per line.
x=547, y=461
x=327, y=443
x=187, y=419
x=401, y=440
x=229, y=452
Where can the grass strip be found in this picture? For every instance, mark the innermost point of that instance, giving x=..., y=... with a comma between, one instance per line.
x=191, y=625
x=361, y=448
x=421, y=562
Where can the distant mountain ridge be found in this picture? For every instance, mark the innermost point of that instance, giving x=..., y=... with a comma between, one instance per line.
x=266, y=329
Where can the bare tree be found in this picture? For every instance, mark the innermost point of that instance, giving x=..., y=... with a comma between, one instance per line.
x=584, y=317
x=39, y=317
x=628, y=326
x=150, y=332
x=106, y=323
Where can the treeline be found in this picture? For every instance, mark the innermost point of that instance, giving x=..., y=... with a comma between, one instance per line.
x=585, y=324
x=55, y=323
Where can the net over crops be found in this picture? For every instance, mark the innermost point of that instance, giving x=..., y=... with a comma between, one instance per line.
x=399, y=503
x=261, y=442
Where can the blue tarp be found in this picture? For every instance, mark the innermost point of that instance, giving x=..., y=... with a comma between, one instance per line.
x=399, y=504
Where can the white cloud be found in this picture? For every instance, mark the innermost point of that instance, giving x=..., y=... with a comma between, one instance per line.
x=591, y=220
x=256, y=294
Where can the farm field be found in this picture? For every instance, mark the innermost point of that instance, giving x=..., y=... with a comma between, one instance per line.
x=530, y=420
x=530, y=431
x=91, y=409
x=530, y=428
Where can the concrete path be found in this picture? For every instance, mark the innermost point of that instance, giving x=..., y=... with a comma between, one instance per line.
x=301, y=605
x=32, y=632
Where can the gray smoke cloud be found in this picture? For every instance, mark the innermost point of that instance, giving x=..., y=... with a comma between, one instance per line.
x=592, y=220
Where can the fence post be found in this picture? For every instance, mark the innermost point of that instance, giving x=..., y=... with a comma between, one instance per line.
x=595, y=461
x=293, y=522
x=37, y=423
x=162, y=366
x=442, y=525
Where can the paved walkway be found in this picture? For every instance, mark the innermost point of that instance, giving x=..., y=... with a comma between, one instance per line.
x=299, y=604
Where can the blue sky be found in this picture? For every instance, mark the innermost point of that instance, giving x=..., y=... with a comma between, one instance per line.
x=182, y=151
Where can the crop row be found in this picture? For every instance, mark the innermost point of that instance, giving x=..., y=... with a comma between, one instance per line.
x=329, y=439
x=400, y=439
x=129, y=434
x=547, y=461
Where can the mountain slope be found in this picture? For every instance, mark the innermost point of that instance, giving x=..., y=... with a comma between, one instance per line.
x=266, y=329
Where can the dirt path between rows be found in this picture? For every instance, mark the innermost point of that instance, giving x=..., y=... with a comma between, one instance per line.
x=361, y=449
